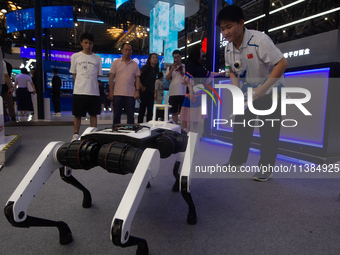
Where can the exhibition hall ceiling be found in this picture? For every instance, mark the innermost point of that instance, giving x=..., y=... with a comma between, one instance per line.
x=127, y=24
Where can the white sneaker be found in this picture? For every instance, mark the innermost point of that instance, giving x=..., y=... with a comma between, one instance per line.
x=58, y=114
x=75, y=137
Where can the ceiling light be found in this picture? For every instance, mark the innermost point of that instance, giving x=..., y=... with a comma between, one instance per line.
x=4, y=11
x=91, y=21
x=287, y=6
x=277, y=10
x=304, y=19
x=190, y=44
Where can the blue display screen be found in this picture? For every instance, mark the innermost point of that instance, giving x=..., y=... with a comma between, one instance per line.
x=66, y=81
x=20, y=20
x=52, y=17
x=57, y=16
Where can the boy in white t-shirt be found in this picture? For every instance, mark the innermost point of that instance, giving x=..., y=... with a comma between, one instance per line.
x=85, y=67
x=253, y=58
x=177, y=90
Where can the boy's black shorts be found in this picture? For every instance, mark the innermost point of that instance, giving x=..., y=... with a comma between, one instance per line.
x=176, y=102
x=85, y=103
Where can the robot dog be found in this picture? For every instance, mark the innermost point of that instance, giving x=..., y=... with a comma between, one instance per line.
x=124, y=149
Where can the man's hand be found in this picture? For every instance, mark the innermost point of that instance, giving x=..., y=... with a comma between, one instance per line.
x=143, y=88
x=173, y=67
x=136, y=95
x=259, y=92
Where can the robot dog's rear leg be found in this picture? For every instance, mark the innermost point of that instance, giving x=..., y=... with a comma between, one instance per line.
x=192, y=217
x=66, y=176
x=176, y=171
x=175, y=187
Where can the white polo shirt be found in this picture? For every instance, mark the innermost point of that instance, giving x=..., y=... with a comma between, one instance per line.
x=176, y=88
x=257, y=57
x=125, y=75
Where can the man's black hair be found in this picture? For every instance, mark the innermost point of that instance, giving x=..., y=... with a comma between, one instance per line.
x=176, y=52
x=55, y=70
x=24, y=70
x=160, y=75
x=87, y=36
x=126, y=44
x=232, y=13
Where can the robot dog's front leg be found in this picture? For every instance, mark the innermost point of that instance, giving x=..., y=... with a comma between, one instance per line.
x=39, y=173
x=146, y=169
x=185, y=177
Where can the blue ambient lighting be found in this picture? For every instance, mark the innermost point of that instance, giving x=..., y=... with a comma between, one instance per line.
x=294, y=74
x=279, y=156
x=319, y=70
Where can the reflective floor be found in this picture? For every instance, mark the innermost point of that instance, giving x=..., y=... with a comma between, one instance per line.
x=66, y=118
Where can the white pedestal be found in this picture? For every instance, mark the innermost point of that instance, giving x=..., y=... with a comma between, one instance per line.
x=8, y=144
x=47, y=109
x=35, y=106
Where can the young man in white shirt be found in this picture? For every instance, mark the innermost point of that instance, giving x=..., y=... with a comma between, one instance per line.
x=252, y=56
x=85, y=67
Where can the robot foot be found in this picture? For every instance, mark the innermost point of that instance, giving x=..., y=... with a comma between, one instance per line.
x=142, y=248
x=65, y=235
x=142, y=245
x=192, y=219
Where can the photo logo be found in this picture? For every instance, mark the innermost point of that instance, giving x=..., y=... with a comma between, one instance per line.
x=242, y=101
x=199, y=88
